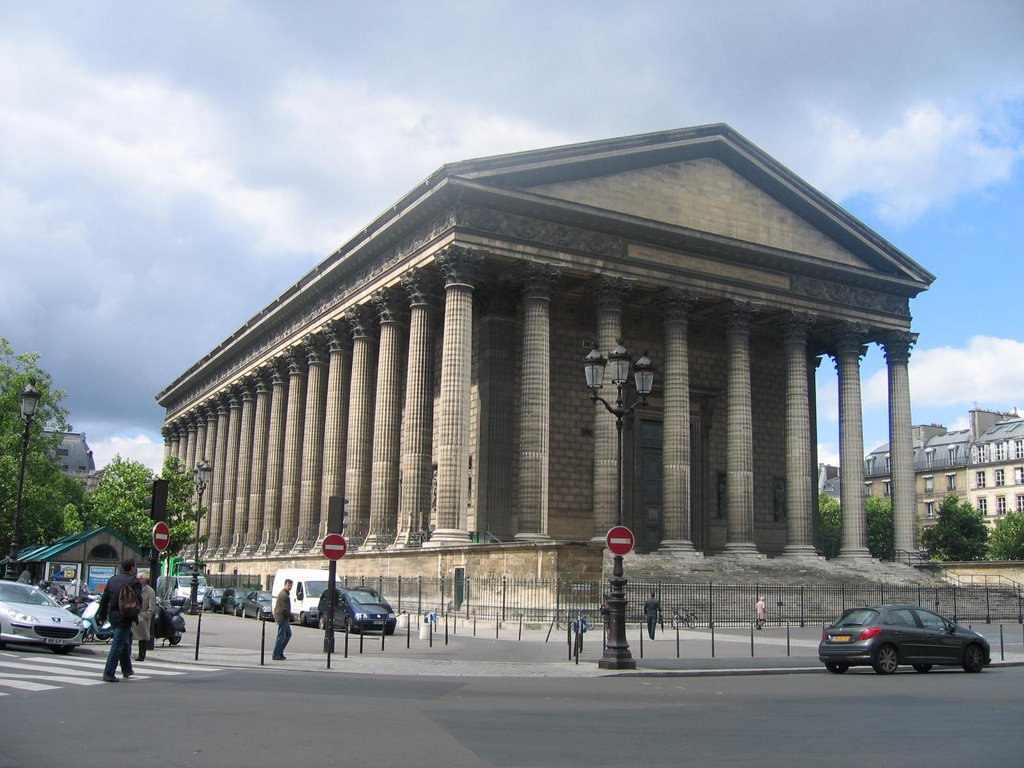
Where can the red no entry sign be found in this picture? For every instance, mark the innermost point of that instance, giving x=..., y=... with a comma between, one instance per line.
x=620, y=540
x=161, y=536
x=334, y=546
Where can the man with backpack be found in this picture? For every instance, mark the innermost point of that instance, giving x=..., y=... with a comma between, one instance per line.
x=121, y=603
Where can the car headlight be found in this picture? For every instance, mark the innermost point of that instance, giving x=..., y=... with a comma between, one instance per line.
x=361, y=616
x=23, y=617
x=391, y=615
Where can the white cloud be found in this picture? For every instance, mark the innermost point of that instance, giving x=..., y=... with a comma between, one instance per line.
x=988, y=372
x=926, y=159
x=141, y=448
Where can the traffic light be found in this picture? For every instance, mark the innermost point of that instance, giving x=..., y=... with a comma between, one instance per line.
x=336, y=514
x=158, y=501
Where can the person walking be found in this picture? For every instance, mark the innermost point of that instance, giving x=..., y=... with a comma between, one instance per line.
x=760, y=612
x=120, y=645
x=141, y=630
x=652, y=612
x=283, y=617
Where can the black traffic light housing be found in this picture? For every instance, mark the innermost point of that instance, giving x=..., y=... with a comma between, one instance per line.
x=336, y=514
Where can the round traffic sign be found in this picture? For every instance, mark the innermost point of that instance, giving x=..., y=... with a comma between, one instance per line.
x=334, y=546
x=161, y=536
x=620, y=540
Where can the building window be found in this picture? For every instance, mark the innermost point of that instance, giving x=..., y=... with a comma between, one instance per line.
x=1018, y=449
x=1020, y=503
x=888, y=488
x=1000, y=505
x=929, y=457
x=950, y=482
x=1000, y=477
x=980, y=476
x=929, y=508
x=1018, y=475
x=951, y=454
x=1000, y=451
x=983, y=505
x=929, y=484
x=982, y=454
x=888, y=466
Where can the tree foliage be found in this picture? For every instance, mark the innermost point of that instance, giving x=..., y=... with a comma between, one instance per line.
x=959, y=534
x=881, y=532
x=831, y=523
x=46, y=490
x=122, y=501
x=1006, y=542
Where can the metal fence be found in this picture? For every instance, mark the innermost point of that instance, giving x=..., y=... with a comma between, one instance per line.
x=545, y=601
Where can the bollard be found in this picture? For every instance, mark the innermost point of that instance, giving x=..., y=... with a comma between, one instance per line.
x=520, y=626
x=751, y=641
x=446, y=628
x=263, y=641
x=712, y=638
x=677, y=639
x=362, y=634
x=787, y=640
x=642, y=640
x=408, y=632
x=1002, y=648
x=474, y=625
x=348, y=632
x=383, y=634
x=199, y=631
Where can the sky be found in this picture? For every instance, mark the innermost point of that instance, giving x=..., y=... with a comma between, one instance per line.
x=168, y=169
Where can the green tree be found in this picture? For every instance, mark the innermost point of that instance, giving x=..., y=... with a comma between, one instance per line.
x=46, y=490
x=881, y=533
x=122, y=501
x=1006, y=542
x=830, y=518
x=959, y=534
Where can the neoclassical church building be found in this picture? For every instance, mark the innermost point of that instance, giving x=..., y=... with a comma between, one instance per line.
x=430, y=371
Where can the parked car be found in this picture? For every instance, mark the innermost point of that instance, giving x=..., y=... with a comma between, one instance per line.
x=30, y=616
x=231, y=599
x=212, y=599
x=358, y=609
x=259, y=605
x=886, y=636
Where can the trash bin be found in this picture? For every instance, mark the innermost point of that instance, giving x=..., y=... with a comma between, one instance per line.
x=401, y=622
x=425, y=627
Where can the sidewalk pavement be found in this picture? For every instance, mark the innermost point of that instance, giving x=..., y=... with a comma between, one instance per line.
x=527, y=652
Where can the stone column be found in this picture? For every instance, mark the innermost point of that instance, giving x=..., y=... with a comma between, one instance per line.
x=416, y=459
x=291, y=477
x=611, y=296
x=800, y=503
x=676, y=460
x=335, y=418
x=901, y=440
x=457, y=264
x=210, y=454
x=170, y=442
x=535, y=404
x=195, y=441
x=312, y=448
x=244, y=467
x=275, y=456
x=254, y=535
x=387, y=422
x=360, y=422
x=849, y=349
x=739, y=429
x=220, y=473
x=226, y=530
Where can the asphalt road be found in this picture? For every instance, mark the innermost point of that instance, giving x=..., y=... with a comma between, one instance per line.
x=284, y=716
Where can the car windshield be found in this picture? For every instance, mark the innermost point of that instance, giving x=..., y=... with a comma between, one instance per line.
x=316, y=588
x=859, y=617
x=24, y=594
x=366, y=597
x=264, y=597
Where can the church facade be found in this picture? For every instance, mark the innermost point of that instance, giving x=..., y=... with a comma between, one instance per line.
x=430, y=371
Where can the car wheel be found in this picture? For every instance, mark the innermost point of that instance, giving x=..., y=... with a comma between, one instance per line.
x=835, y=668
x=923, y=667
x=974, y=658
x=62, y=650
x=886, y=659
x=175, y=639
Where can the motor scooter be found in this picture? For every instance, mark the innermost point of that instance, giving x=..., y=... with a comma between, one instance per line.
x=168, y=623
x=92, y=629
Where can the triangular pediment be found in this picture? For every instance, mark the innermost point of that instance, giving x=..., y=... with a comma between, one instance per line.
x=707, y=196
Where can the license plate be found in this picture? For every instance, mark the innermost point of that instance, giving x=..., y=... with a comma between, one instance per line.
x=55, y=640
x=840, y=638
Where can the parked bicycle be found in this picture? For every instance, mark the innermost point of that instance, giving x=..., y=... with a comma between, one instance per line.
x=683, y=618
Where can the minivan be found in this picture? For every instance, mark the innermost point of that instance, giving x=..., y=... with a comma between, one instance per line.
x=359, y=609
x=307, y=586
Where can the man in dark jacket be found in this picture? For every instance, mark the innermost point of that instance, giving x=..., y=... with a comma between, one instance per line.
x=283, y=617
x=120, y=645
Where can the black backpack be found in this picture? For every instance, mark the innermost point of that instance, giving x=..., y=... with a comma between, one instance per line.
x=128, y=603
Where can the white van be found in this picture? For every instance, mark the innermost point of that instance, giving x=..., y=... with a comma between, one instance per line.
x=307, y=586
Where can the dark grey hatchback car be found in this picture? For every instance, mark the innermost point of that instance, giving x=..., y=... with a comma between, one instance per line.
x=886, y=636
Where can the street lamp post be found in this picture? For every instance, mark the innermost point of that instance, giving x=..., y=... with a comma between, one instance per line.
x=616, y=648
x=200, y=476
x=29, y=402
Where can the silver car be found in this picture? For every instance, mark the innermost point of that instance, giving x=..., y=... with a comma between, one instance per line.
x=885, y=636
x=30, y=616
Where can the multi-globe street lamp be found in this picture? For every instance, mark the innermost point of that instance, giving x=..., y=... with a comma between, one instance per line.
x=616, y=649
x=201, y=477
x=29, y=402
